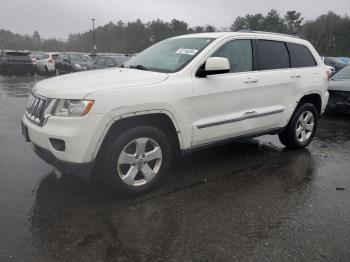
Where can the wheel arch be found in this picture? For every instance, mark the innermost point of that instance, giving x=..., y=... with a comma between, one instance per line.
x=161, y=119
x=313, y=98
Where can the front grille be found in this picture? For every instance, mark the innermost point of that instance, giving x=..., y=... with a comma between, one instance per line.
x=36, y=108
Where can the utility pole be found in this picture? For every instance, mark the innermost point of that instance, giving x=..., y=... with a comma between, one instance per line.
x=93, y=30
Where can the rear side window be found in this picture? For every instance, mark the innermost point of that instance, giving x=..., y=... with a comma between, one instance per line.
x=239, y=53
x=110, y=62
x=60, y=57
x=272, y=55
x=44, y=56
x=300, y=56
x=100, y=61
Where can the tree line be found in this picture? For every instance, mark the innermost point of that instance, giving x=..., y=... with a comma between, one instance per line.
x=329, y=33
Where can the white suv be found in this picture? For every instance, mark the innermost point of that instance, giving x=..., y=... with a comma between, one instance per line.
x=47, y=63
x=183, y=93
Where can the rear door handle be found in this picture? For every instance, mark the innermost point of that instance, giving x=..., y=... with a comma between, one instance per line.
x=250, y=113
x=251, y=81
x=296, y=76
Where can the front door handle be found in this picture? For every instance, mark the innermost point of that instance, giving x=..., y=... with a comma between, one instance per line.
x=296, y=76
x=251, y=81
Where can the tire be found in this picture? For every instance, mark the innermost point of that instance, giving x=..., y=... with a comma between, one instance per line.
x=301, y=128
x=145, y=170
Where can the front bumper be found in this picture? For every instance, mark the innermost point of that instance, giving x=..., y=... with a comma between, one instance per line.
x=339, y=100
x=79, y=169
x=81, y=137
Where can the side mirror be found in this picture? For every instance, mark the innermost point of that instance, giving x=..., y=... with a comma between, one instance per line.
x=214, y=66
x=66, y=60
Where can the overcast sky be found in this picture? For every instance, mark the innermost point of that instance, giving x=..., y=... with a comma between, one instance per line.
x=61, y=17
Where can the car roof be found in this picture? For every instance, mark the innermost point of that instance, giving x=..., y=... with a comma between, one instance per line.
x=246, y=33
x=74, y=53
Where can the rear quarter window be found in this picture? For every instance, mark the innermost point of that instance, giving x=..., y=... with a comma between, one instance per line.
x=272, y=55
x=300, y=56
x=45, y=56
x=59, y=57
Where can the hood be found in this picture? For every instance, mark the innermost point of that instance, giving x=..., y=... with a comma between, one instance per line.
x=79, y=85
x=339, y=85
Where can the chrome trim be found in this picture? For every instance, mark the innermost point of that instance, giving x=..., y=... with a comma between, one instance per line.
x=240, y=119
x=35, y=109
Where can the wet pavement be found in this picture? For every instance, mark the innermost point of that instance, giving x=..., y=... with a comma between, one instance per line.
x=247, y=201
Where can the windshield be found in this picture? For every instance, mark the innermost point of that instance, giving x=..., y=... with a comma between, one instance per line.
x=37, y=56
x=170, y=55
x=336, y=60
x=345, y=59
x=342, y=74
x=80, y=58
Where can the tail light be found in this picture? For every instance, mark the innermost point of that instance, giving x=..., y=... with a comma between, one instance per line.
x=329, y=74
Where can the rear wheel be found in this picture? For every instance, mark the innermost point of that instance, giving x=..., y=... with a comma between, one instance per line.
x=301, y=128
x=136, y=161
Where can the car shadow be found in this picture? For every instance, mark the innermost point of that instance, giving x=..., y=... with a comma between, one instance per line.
x=251, y=187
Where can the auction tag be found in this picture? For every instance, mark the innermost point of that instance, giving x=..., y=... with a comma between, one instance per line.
x=186, y=51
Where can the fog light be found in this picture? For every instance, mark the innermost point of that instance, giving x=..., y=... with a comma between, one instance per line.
x=58, y=144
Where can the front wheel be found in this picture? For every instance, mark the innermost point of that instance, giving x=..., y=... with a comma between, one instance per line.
x=301, y=128
x=136, y=161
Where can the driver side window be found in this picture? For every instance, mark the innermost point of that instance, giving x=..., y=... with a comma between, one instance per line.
x=100, y=61
x=239, y=53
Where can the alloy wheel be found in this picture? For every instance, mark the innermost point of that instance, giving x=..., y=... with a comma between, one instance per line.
x=305, y=126
x=139, y=161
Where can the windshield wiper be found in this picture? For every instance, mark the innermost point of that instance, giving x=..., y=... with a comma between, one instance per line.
x=139, y=67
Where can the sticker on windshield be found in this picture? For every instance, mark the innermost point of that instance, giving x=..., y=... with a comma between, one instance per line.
x=186, y=51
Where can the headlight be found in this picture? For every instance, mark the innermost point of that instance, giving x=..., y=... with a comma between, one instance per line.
x=72, y=108
x=77, y=65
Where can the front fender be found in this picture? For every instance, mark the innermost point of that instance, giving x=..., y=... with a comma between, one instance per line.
x=183, y=135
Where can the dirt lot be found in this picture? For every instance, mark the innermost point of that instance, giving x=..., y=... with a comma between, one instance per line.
x=247, y=201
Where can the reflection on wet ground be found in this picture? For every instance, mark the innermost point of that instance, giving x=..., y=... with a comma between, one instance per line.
x=247, y=201
x=17, y=86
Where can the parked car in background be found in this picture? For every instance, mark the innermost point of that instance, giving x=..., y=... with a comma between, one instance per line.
x=334, y=62
x=72, y=62
x=345, y=59
x=47, y=63
x=36, y=56
x=16, y=62
x=105, y=61
x=180, y=94
x=339, y=90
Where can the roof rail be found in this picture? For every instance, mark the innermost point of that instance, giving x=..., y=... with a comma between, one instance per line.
x=265, y=32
